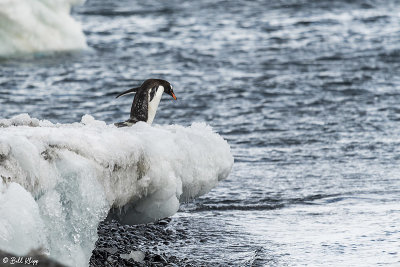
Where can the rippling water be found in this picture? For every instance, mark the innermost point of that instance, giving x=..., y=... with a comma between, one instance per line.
x=305, y=92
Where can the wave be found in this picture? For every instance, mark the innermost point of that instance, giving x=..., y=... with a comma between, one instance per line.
x=58, y=181
x=30, y=26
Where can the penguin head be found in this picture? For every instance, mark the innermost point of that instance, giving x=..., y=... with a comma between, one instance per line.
x=168, y=90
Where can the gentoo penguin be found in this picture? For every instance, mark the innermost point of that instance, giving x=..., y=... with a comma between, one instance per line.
x=145, y=103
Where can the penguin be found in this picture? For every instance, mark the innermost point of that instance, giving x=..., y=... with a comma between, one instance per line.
x=146, y=100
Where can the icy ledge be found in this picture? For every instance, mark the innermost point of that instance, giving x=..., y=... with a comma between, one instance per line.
x=31, y=26
x=58, y=181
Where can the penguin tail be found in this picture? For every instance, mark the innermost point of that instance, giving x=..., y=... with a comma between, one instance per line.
x=132, y=90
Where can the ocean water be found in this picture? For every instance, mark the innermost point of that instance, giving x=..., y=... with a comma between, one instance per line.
x=305, y=92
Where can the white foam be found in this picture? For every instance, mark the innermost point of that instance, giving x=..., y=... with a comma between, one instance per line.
x=135, y=255
x=66, y=177
x=29, y=26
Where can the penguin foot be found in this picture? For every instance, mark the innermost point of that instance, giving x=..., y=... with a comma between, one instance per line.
x=121, y=124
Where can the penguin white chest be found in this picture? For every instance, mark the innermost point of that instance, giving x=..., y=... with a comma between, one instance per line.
x=153, y=104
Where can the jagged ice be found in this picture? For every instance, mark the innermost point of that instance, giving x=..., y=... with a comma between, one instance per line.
x=58, y=181
x=32, y=26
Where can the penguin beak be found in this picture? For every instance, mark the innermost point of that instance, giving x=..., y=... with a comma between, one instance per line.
x=173, y=95
x=132, y=90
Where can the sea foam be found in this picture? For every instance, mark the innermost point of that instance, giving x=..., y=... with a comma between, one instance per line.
x=29, y=26
x=58, y=181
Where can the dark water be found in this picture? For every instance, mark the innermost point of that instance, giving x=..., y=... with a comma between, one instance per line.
x=306, y=93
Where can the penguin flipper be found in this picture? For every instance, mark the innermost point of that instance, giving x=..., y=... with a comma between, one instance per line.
x=127, y=123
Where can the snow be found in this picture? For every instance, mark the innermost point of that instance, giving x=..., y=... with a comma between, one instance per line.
x=30, y=26
x=58, y=181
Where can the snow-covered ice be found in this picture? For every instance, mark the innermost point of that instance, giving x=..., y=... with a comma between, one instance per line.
x=58, y=181
x=28, y=26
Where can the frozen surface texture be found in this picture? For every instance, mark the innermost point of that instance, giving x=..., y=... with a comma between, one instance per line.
x=28, y=26
x=58, y=181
